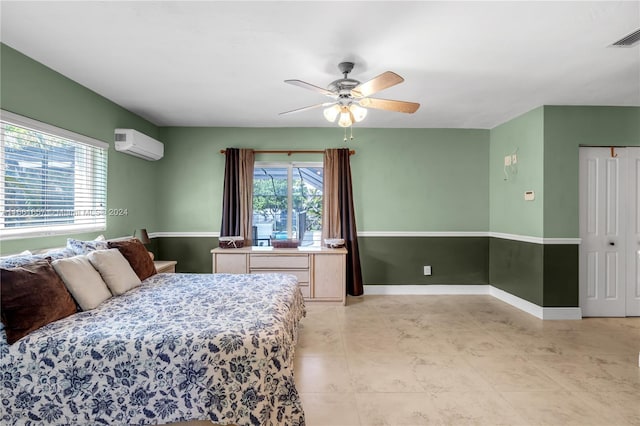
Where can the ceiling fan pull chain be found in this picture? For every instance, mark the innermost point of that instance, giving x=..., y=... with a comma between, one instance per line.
x=345, y=134
x=351, y=138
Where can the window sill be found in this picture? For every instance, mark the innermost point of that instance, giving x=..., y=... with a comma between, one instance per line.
x=17, y=234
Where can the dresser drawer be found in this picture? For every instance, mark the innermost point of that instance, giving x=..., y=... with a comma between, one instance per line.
x=302, y=275
x=296, y=261
x=230, y=263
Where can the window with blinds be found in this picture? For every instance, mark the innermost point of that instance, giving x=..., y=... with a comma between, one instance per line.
x=53, y=181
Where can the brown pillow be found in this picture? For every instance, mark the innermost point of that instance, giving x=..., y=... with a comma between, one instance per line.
x=137, y=256
x=32, y=296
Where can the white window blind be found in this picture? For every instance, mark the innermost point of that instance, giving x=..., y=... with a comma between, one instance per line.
x=53, y=181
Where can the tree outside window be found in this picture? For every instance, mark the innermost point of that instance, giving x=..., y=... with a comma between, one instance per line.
x=287, y=202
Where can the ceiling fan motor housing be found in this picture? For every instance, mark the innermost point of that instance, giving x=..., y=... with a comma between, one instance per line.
x=343, y=86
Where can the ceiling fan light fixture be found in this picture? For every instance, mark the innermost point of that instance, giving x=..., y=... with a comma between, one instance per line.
x=346, y=118
x=331, y=113
x=358, y=112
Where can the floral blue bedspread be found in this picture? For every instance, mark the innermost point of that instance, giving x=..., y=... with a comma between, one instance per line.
x=180, y=347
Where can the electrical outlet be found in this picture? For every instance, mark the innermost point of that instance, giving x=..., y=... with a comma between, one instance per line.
x=514, y=159
x=427, y=270
x=507, y=160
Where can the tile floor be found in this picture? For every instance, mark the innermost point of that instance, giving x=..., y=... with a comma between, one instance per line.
x=458, y=360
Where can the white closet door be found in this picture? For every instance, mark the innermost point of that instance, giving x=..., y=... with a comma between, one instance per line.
x=633, y=233
x=603, y=220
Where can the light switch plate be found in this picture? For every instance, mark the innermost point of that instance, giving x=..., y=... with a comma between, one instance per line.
x=507, y=160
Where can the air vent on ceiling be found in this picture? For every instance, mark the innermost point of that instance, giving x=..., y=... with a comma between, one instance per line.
x=629, y=40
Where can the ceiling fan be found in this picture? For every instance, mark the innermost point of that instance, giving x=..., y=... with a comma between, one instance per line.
x=352, y=98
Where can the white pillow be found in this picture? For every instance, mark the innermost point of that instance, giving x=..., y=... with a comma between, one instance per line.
x=115, y=270
x=83, y=282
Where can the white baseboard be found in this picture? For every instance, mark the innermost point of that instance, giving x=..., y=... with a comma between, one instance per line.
x=568, y=313
x=561, y=313
x=535, y=310
x=396, y=290
x=517, y=302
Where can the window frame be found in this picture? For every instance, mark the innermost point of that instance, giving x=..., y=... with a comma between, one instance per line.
x=55, y=229
x=289, y=165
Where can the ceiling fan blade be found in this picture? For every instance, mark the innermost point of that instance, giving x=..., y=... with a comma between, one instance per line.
x=389, y=105
x=376, y=84
x=309, y=86
x=325, y=104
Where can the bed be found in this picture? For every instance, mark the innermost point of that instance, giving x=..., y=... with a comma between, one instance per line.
x=179, y=347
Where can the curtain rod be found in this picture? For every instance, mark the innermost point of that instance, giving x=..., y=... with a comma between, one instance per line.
x=289, y=152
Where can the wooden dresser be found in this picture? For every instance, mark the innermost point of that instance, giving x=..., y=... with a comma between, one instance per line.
x=320, y=271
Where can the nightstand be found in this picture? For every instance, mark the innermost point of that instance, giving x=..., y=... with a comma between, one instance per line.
x=165, y=266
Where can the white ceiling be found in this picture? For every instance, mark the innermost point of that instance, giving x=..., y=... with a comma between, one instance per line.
x=204, y=63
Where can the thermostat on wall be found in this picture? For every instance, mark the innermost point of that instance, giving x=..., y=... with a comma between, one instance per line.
x=529, y=195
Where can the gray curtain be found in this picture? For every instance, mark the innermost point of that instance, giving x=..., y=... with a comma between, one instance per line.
x=237, y=196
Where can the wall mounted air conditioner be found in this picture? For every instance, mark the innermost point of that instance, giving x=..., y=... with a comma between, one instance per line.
x=133, y=142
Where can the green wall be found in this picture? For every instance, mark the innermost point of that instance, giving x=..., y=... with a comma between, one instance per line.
x=560, y=276
x=517, y=268
x=514, y=266
x=509, y=212
x=565, y=129
x=192, y=254
x=404, y=179
x=544, y=274
x=30, y=89
x=384, y=260
x=400, y=260
x=548, y=139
